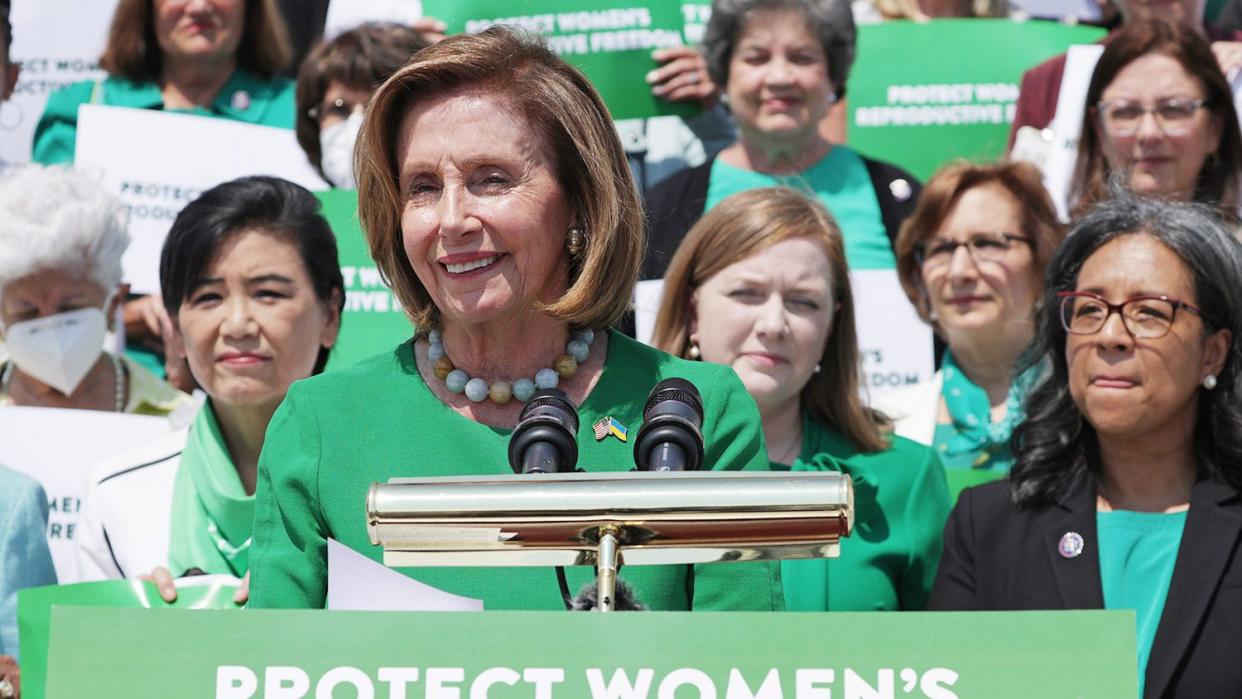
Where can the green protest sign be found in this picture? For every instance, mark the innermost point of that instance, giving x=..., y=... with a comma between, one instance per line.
x=503, y=655
x=609, y=40
x=34, y=612
x=963, y=478
x=921, y=94
x=695, y=14
x=373, y=321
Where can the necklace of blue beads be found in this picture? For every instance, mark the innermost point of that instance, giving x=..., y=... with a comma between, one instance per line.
x=500, y=392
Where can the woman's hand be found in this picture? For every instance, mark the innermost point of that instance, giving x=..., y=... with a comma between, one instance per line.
x=147, y=322
x=10, y=678
x=682, y=77
x=164, y=582
x=431, y=28
x=243, y=591
x=1229, y=56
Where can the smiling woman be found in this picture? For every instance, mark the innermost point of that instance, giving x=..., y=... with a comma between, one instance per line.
x=497, y=200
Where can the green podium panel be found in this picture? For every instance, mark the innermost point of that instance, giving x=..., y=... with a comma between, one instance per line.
x=98, y=652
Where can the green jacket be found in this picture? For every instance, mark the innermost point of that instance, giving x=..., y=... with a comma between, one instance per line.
x=245, y=97
x=901, y=503
x=337, y=433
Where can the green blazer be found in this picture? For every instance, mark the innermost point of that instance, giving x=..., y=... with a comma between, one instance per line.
x=901, y=503
x=245, y=97
x=337, y=433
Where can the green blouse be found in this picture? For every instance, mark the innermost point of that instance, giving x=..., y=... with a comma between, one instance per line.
x=1137, y=553
x=841, y=183
x=337, y=433
x=901, y=503
x=245, y=97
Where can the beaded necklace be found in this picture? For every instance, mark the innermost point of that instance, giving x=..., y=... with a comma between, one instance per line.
x=500, y=392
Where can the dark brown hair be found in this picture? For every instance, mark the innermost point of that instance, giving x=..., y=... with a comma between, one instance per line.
x=134, y=53
x=361, y=58
x=748, y=223
x=561, y=106
x=942, y=192
x=1219, y=176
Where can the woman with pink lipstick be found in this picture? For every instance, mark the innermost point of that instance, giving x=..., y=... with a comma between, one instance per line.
x=971, y=259
x=760, y=284
x=1160, y=117
x=497, y=200
x=1125, y=490
x=249, y=275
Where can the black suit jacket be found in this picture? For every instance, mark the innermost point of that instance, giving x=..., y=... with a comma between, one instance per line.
x=998, y=556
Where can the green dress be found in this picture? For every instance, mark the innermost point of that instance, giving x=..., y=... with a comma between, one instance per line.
x=337, y=433
x=245, y=97
x=901, y=503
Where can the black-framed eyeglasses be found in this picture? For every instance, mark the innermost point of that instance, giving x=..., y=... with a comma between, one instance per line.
x=339, y=107
x=1173, y=115
x=983, y=247
x=1144, y=317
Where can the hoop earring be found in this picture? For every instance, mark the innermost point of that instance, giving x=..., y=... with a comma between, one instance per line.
x=576, y=240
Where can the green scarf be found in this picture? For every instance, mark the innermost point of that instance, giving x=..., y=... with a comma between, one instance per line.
x=212, y=516
x=974, y=436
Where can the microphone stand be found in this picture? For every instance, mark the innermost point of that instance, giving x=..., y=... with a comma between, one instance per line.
x=607, y=562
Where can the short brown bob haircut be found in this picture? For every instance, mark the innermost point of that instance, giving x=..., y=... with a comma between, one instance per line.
x=560, y=105
x=1218, y=180
x=134, y=53
x=748, y=223
x=940, y=195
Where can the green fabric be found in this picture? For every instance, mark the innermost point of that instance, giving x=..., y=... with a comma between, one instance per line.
x=269, y=103
x=972, y=440
x=1137, y=553
x=212, y=516
x=337, y=433
x=840, y=181
x=901, y=503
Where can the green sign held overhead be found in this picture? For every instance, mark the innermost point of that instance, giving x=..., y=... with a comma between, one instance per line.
x=609, y=40
x=549, y=655
x=922, y=94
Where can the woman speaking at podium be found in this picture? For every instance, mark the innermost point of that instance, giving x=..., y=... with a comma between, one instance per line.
x=496, y=200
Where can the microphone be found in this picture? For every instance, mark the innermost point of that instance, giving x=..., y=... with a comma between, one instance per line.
x=670, y=438
x=544, y=440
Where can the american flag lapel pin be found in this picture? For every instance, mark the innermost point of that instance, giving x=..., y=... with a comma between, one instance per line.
x=610, y=426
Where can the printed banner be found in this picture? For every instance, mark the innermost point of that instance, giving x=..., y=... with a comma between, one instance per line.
x=61, y=465
x=922, y=94
x=374, y=321
x=53, y=53
x=549, y=655
x=609, y=40
x=157, y=162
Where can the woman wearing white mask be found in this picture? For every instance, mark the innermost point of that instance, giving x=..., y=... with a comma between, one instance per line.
x=334, y=86
x=61, y=241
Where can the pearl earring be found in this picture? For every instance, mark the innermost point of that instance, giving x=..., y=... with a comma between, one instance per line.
x=693, y=352
x=1209, y=381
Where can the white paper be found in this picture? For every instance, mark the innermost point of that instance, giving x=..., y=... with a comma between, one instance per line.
x=344, y=15
x=57, y=42
x=895, y=344
x=357, y=583
x=157, y=162
x=1066, y=125
x=58, y=448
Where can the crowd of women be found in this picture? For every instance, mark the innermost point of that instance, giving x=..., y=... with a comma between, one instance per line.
x=1093, y=368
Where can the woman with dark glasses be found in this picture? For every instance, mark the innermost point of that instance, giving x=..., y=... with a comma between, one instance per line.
x=1124, y=493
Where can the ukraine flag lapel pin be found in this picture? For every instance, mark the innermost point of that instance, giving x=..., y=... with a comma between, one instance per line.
x=610, y=426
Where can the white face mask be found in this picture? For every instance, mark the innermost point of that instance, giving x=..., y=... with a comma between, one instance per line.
x=336, y=143
x=60, y=349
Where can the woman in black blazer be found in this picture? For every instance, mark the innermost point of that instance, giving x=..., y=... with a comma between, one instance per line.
x=1125, y=489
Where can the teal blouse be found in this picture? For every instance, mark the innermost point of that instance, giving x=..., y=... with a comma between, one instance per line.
x=1137, y=553
x=841, y=183
x=245, y=97
x=901, y=503
x=337, y=433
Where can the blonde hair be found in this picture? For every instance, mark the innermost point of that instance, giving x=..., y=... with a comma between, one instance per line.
x=744, y=225
x=563, y=108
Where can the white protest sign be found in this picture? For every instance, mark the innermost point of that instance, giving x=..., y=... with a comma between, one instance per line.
x=57, y=42
x=157, y=162
x=58, y=448
x=344, y=15
x=895, y=344
x=357, y=583
x=1067, y=124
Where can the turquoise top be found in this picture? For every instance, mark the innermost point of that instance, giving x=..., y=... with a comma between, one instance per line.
x=1137, y=554
x=840, y=182
x=901, y=503
x=245, y=97
x=337, y=433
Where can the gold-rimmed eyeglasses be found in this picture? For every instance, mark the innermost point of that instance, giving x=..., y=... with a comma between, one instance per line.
x=1144, y=317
